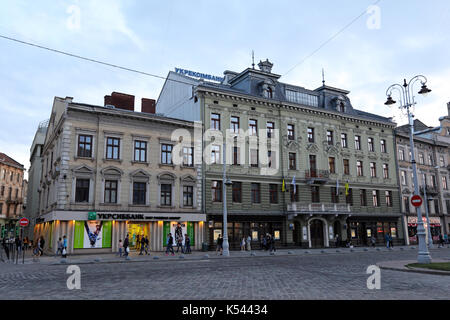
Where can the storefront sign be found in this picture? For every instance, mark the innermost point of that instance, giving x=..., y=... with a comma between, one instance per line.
x=120, y=216
x=199, y=75
x=92, y=216
x=433, y=220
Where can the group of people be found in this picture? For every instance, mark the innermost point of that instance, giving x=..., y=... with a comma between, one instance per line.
x=186, y=248
x=142, y=245
x=268, y=242
x=61, y=247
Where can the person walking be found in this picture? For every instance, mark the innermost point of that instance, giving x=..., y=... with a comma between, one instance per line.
x=446, y=238
x=272, y=244
x=249, y=241
x=138, y=242
x=120, y=248
x=5, y=247
x=180, y=244
x=187, y=244
x=126, y=244
x=265, y=242
x=59, y=247
x=169, y=242
x=219, y=248
x=146, y=245
x=41, y=245
x=142, y=243
x=386, y=237
x=243, y=244
x=391, y=242
x=337, y=240
x=441, y=241
x=373, y=241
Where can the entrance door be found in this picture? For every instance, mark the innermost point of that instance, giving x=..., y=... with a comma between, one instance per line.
x=316, y=231
x=136, y=231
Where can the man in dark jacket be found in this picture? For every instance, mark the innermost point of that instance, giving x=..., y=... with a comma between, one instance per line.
x=42, y=243
x=126, y=243
x=169, y=244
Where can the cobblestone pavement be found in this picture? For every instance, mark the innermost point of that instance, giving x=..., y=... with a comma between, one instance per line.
x=338, y=275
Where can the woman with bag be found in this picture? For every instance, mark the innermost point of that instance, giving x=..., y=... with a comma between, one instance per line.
x=125, y=246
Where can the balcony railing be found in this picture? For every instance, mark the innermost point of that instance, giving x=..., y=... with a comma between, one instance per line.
x=429, y=189
x=319, y=207
x=317, y=174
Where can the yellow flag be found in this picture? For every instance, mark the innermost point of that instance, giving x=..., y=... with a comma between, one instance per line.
x=283, y=187
x=346, y=189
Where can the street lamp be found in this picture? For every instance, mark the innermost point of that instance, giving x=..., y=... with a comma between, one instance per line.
x=430, y=240
x=226, y=182
x=407, y=101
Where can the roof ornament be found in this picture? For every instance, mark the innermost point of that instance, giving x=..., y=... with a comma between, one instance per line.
x=253, y=59
x=323, y=77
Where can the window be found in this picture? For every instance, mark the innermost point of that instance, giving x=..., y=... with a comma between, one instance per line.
x=334, y=195
x=188, y=156
x=421, y=159
x=315, y=196
x=373, y=170
x=82, y=190
x=292, y=161
x=166, y=153
x=363, y=197
x=140, y=151
x=234, y=124
x=311, y=135
x=442, y=161
x=166, y=194
x=2, y=191
x=385, y=171
x=271, y=159
x=330, y=139
x=406, y=204
x=401, y=154
x=112, y=148
x=291, y=131
x=430, y=160
x=349, y=197
x=237, y=192
x=256, y=193
x=444, y=183
x=376, y=198
x=253, y=127
x=370, y=145
x=270, y=129
x=188, y=196
x=358, y=142
x=331, y=164
x=359, y=168
x=388, y=198
x=110, y=191
x=215, y=121
x=139, y=192
x=433, y=181
x=216, y=187
x=236, y=156
x=346, y=166
x=254, y=158
x=344, y=140
x=84, y=146
x=403, y=177
x=341, y=107
x=383, y=146
x=302, y=98
x=273, y=193
x=215, y=154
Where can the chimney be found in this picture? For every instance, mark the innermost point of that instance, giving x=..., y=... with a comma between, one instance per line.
x=120, y=101
x=148, y=105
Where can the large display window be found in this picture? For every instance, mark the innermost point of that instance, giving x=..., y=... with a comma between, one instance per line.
x=92, y=234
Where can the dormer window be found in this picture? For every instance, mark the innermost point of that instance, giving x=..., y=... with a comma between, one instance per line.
x=269, y=93
x=341, y=106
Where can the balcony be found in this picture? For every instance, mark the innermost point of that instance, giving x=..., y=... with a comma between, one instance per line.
x=430, y=190
x=317, y=176
x=14, y=200
x=332, y=208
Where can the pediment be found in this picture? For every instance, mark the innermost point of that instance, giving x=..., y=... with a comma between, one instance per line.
x=111, y=171
x=166, y=176
x=83, y=169
x=139, y=174
x=188, y=178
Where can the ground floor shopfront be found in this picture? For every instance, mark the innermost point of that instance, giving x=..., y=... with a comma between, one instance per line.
x=437, y=227
x=89, y=232
x=9, y=228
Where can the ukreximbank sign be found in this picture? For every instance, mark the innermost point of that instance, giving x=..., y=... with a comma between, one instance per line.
x=198, y=75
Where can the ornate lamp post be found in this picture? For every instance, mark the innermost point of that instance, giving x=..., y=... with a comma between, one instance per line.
x=225, y=182
x=407, y=101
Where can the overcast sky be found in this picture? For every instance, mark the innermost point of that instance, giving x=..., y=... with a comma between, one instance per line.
x=398, y=39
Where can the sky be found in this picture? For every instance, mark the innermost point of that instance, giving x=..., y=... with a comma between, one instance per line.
x=389, y=42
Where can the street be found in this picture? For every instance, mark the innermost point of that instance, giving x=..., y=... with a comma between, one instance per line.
x=313, y=275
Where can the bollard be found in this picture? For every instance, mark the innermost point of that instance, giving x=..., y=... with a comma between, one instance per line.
x=206, y=256
x=365, y=249
x=322, y=251
x=290, y=252
x=338, y=250
x=306, y=251
x=252, y=254
x=156, y=257
x=181, y=257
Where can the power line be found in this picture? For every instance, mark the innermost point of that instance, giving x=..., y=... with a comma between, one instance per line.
x=92, y=60
x=330, y=39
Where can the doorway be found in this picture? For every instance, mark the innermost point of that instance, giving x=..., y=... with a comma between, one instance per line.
x=316, y=232
x=136, y=232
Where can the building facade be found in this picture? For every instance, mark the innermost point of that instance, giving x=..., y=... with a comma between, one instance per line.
x=305, y=165
x=11, y=195
x=108, y=171
x=432, y=159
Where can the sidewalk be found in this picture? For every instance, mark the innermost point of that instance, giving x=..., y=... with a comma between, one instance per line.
x=401, y=265
x=197, y=255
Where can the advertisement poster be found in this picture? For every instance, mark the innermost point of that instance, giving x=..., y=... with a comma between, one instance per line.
x=92, y=234
x=178, y=229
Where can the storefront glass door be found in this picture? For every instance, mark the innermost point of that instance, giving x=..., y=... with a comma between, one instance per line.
x=136, y=232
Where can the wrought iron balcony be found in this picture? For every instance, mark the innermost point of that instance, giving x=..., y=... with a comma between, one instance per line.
x=429, y=189
x=317, y=176
x=319, y=207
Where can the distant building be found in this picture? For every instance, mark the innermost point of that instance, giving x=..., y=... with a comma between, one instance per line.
x=11, y=195
x=34, y=176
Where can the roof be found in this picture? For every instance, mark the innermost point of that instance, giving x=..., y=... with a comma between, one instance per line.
x=10, y=161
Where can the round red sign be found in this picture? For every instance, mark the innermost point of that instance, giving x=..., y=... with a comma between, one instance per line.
x=24, y=222
x=416, y=200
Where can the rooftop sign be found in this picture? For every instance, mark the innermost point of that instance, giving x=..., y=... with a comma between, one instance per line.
x=199, y=75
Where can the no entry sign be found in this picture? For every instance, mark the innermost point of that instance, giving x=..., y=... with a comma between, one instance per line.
x=416, y=200
x=24, y=222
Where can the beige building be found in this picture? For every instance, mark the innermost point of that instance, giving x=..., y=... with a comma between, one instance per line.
x=11, y=195
x=108, y=171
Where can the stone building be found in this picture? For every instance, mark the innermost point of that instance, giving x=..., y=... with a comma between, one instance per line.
x=11, y=195
x=304, y=164
x=432, y=158
x=109, y=171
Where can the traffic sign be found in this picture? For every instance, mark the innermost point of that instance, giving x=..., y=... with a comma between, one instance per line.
x=416, y=200
x=24, y=222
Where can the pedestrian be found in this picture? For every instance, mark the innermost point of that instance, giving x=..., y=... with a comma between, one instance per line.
x=391, y=242
x=441, y=241
x=219, y=248
x=5, y=247
x=446, y=238
x=169, y=242
x=180, y=244
x=138, y=242
x=126, y=244
x=249, y=240
x=386, y=237
x=120, y=248
x=243, y=244
x=142, y=245
x=41, y=245
x=373, y=241
x=265, y=242
x=187, y=244
x=337, y=240
x=272, y=244
x=146, y=245
x=59, y=247
x=261, y=242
